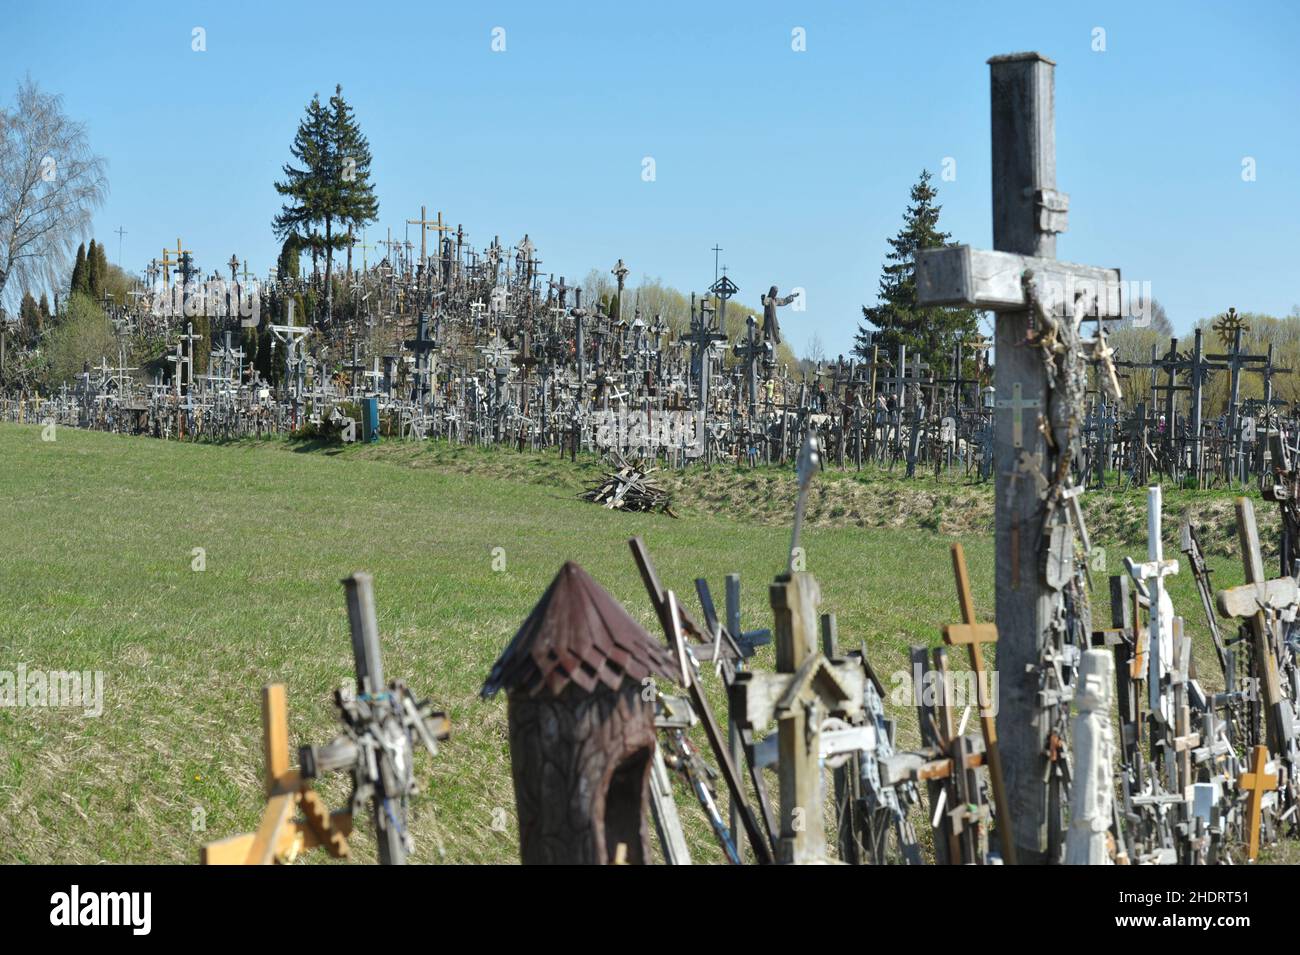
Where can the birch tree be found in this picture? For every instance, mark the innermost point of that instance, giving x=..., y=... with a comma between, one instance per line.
x=50, y=185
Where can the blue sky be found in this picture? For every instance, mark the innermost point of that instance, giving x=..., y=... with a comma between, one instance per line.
x=796, y=163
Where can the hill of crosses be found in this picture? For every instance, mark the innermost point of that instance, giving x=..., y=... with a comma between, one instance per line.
x=395, y=539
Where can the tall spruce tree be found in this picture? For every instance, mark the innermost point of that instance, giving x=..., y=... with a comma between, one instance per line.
x=357, y=205
x=328, y=190
x=304, y=183
x=898, y=320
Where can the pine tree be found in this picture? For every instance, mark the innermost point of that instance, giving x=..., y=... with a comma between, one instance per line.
x=304, y=183
x=328, y=189
x=45, y=308
x=356, y=203
x=930, y=331
x=78, y=283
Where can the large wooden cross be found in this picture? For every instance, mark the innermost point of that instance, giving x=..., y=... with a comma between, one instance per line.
x=1255, y=784
x=1028, y=212
x=426, y=224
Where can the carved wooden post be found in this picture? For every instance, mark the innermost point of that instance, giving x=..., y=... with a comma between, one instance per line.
x=803, y=834
x=582, y=728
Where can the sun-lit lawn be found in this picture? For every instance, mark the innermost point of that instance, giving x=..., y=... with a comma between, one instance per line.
x=98, y=538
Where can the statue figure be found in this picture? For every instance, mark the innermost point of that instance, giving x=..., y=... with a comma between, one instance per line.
x=1094, y=748
x=771, y=328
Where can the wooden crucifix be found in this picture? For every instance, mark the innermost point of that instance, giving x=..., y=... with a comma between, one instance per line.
x=973, y=636
x=1255, y=784
x=1028, y=212
x=805, y=689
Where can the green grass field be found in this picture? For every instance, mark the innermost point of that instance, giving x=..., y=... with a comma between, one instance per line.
x=97, y=542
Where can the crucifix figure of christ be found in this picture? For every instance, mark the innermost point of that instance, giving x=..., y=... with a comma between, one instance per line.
x=702, y=337
x=750, y=351
x=771, y=302
x=1040, y=303
x=1236, y=361
x=291, y=337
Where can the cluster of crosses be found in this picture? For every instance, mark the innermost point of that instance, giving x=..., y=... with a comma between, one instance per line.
x=603, y=716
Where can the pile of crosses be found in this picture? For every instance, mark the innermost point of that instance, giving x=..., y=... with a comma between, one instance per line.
x=628, y=487
x=479, y=345
x=1165, y=434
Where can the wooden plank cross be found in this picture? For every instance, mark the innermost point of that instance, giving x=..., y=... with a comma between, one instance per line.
x=281, y=837
x=973, y=636
x=1255, y=784
x=1028, y=212
x=426, y=224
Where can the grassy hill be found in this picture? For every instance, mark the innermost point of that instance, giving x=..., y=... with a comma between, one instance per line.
x=97, y=543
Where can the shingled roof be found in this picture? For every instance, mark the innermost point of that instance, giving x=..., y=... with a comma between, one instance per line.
x=580, y=634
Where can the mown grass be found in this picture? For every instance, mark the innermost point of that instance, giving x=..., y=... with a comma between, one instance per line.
x=97, y=539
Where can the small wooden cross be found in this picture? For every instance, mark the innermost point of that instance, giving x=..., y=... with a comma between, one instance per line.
x=1255, y=783
x=973, y=636
x=280, y=837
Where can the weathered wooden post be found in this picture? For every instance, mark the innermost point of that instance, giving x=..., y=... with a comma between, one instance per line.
x=1021, y=281
x=805, y=689
x=582, y=724
x=794, y=608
